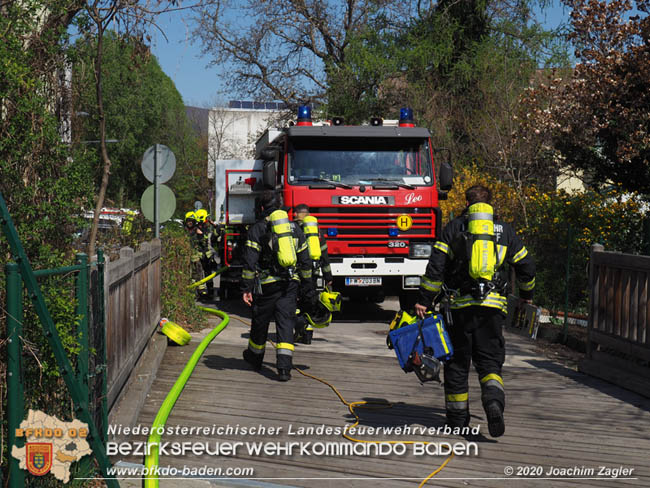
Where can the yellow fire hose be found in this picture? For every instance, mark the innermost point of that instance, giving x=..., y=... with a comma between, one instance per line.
x=151, y=459
x=153, y=441
x=364, y=404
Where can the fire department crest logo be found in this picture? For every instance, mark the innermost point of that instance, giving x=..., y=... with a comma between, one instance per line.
x=39, y=457
x=51, y=445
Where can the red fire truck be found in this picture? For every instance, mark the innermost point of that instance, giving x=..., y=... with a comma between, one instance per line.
x=373, y=189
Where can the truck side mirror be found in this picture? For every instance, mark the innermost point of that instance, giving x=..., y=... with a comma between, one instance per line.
x=269, y=174
x=446, y=176
x=269, y=154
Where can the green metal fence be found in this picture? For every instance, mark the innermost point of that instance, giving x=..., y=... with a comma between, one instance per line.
x=89, y=408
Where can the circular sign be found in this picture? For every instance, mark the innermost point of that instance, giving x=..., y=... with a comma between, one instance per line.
x=166, y=203
x=198, y=205
x=404, y=222
x=166, y=163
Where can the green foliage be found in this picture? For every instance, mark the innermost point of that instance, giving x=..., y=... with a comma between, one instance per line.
x=562, y=227
x=142, y=107
x=44, y=183
x=466, y=177
x=177, y=301
x=461, y=66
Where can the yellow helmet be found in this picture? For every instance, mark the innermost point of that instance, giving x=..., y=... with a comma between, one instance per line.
x=331, y=300
x=319, y=318
x=401, y=319
x=201, y=215
x=190, y=215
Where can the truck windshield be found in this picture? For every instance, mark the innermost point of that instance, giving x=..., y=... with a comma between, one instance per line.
x=364, y=161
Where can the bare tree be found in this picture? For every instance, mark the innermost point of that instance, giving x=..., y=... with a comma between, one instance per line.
x=131, y=18
x=283, y=50
x=221, y=141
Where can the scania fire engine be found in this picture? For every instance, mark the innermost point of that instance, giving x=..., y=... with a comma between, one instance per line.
x=373, y=189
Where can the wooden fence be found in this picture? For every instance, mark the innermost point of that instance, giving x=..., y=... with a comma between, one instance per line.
x=618, y=346
x=132, y=304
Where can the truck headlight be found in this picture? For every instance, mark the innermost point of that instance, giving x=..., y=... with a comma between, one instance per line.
x=420, y=250
x=411, y=281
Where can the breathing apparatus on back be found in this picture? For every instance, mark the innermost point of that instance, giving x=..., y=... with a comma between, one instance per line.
x=282, y=239
x=310, y=228
x=476, y=255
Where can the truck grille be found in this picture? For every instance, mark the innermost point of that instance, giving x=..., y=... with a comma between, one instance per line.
x=373, y=221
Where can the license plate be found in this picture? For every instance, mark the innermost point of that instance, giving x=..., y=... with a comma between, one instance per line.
x=363, y=281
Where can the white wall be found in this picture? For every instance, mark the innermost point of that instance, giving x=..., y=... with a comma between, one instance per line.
x=232, y=131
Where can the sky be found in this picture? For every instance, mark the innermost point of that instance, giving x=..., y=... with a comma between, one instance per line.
x=199, y=85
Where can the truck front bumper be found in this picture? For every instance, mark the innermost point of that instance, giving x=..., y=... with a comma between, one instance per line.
x=401, y=272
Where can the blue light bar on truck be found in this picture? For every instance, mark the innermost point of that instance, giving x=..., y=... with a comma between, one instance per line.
x=304, y=115
x=406, y=117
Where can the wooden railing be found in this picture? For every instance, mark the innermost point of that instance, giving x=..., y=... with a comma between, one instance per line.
x=132, y=304
x=618, y=346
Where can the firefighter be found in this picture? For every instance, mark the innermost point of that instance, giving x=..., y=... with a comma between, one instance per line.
x=207, y=252
x=304, y=329
x=275, y=259
x=470, y=257
x=127, y=222
x=198, y=243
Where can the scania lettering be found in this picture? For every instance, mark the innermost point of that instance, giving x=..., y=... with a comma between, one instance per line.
x=353, y=200
x=373, y=189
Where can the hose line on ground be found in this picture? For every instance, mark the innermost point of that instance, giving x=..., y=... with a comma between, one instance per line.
x=207, y=278
x=369, y=405
x=151, y=459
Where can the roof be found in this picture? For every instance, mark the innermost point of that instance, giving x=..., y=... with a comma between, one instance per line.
x=358, y=131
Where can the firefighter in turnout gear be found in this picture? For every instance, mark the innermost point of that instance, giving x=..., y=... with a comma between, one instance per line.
x=276, y=260
x=205, y=226
x=199, y=249
x=304, y=330
x=470, y=258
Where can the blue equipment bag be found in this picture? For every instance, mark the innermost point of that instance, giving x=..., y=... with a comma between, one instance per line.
x=421, y=345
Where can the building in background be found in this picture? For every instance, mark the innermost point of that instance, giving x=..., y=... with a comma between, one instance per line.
x=233, y=130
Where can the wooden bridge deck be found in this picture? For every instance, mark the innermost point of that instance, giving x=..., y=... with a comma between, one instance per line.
x=555, y=417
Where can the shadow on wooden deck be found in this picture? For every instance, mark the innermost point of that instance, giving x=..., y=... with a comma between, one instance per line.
x=555, y=418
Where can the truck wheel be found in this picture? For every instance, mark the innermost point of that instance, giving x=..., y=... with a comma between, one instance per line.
x=407, y=300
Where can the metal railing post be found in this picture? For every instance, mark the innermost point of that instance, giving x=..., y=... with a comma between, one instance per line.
x=101, y=352
x=82, y=331
x=51, y=334
x=15, y=394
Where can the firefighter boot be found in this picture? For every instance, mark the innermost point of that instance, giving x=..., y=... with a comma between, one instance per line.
x=494, y=414
x=457, y=419
x=306, y=338
x=299, y=329
x=284, y=374
x=255, y=360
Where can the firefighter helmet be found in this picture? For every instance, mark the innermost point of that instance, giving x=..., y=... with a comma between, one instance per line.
x=331, y=300
x=320, y=317
x=190, y=219
x=201, y=215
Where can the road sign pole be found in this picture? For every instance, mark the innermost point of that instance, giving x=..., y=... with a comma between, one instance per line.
x=156, y=213
x=158, y=202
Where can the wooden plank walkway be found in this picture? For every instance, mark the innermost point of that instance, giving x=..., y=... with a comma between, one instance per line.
x=555, y=417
